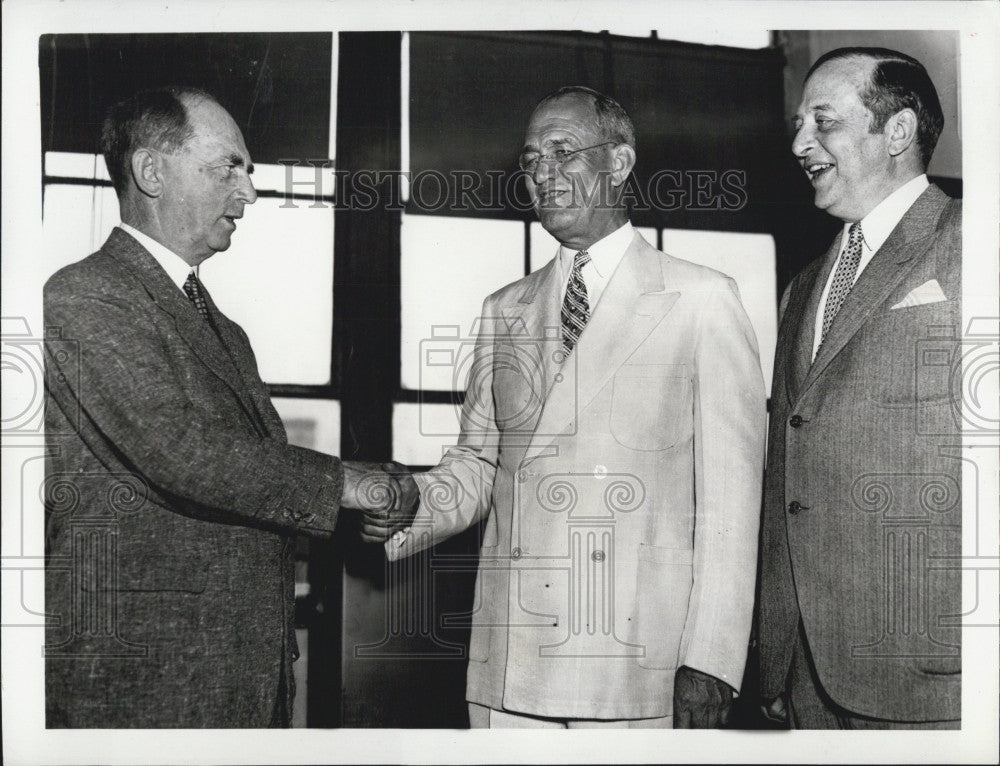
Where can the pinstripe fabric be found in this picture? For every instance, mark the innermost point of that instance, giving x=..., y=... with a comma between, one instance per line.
x=575, y=307
x=872, y=415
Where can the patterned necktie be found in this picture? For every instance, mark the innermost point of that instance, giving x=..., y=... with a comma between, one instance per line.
x=575, y=308
x=193, y=289
x=843, y=278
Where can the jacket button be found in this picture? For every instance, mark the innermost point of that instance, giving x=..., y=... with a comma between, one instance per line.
x=515, y=554
x=795, y=421
x=597, y=556
x=522, y=476
x=795, y=506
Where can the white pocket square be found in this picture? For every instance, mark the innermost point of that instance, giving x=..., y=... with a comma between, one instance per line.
x=929, y=292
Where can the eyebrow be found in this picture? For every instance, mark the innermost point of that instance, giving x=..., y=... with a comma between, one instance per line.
x=824, y=107
x=556, y=143
x=237, y=160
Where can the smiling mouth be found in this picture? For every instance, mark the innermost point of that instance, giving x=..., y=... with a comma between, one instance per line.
x=550, y=197
x=817, y=169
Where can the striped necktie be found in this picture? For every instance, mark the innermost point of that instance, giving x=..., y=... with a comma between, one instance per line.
x=575, y=307
x=843, y=278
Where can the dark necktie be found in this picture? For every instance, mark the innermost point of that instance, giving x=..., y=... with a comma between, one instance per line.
x=575, y=307
x=843, y=277
x=194, y=293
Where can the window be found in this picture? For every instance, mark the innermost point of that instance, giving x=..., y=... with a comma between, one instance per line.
x=278, y=244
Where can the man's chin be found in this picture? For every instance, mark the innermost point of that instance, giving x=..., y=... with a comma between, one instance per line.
x=554, y=219
x=221, y=244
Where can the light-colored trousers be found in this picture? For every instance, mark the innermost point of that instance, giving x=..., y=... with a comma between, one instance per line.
x=481, y=717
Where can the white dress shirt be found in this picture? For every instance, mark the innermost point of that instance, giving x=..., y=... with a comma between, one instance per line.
x=875, y=228
x=605, y=255
x=175, y=266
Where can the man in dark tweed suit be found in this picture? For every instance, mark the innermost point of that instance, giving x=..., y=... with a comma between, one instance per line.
x=860, y=600
x=172, y=495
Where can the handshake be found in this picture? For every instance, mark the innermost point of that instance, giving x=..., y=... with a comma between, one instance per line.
x=386, y=495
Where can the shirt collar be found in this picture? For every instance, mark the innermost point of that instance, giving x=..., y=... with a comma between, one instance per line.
x=879, y=223
x=606, y=253
x=175, y=266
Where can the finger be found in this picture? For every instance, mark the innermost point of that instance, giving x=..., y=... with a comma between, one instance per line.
x=711, y=717
x=682, y=717
x=372, y=531
x=724, y=714
x=683, y=721
x=699, y=717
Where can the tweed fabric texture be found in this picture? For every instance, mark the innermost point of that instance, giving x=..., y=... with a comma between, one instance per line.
x=172, y=504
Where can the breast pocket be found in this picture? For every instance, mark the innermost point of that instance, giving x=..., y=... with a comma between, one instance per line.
x=920, y=363
x=651, y=406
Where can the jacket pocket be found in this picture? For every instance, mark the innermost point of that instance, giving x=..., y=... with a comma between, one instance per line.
x=663, y=593
x=651, y=406
x=919, y=363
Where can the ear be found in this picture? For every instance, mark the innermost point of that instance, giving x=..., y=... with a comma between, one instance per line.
x=147, y=171
x=901, y=131
x=622, y=164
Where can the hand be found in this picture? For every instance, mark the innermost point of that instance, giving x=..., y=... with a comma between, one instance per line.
x=700, y=701
x=775, y=710
x=386, y=494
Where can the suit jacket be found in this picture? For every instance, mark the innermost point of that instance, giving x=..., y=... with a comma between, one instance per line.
x=172, y=500
x=619, y=491
x=862, y=512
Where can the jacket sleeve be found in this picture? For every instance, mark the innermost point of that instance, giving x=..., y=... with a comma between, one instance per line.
x=457, y=492
x=132, y=404
x=729, y=433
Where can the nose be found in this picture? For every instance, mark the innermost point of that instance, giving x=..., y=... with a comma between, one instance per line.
x=246, y=192
x=802, y=141
x=543, y=171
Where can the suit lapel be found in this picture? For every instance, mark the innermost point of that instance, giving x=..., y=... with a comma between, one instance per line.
x=888, y=267
x=190, y=325
x=533, y=330
x=633, y=303
x=257, y=397
x=801, y=313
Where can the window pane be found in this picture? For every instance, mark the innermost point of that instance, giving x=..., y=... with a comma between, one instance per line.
x=748, y=259
x=311, y=423
x=76, y=165
x=544, y=246
x=422, y=432
x=449, y=265
x=75, y=222
x=276, y=280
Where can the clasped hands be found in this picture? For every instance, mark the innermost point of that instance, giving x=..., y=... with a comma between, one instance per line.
x=386, y=495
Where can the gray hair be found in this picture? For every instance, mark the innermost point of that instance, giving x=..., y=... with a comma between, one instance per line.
x=612, y=119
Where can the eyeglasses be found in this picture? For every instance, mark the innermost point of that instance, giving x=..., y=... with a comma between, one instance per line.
x=529, y=161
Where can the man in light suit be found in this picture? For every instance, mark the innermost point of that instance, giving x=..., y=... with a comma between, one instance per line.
x=172, y=495
x=612, y=448
x=860, y=594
